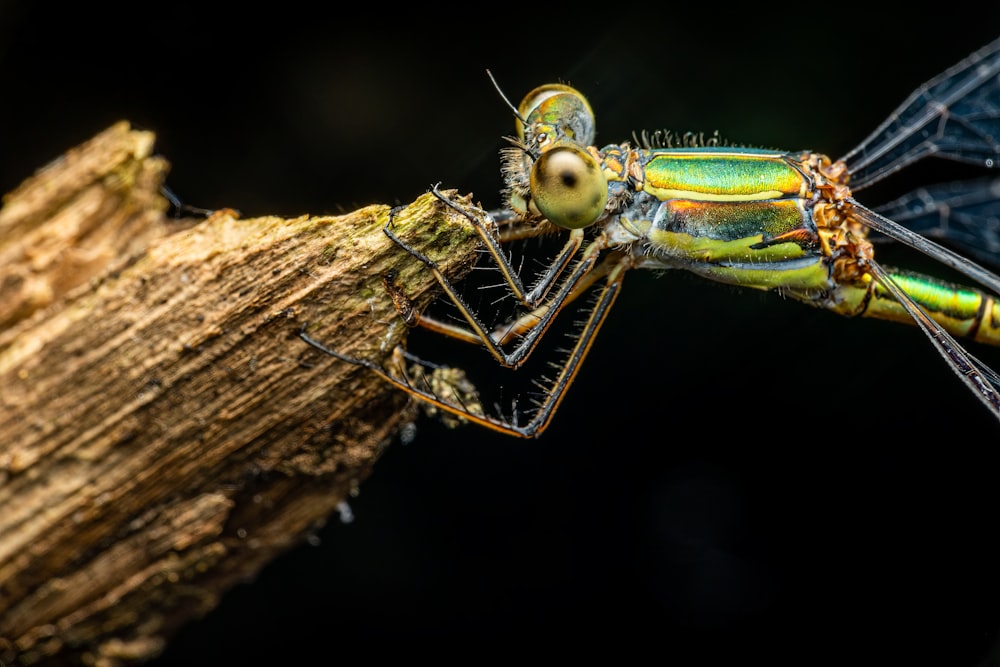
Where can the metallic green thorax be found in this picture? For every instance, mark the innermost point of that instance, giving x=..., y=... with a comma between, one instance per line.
x=753, y=218
x=721, y=174
x=740, y=216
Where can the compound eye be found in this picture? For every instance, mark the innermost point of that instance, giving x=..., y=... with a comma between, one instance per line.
x=568, y=186
x=562, y=109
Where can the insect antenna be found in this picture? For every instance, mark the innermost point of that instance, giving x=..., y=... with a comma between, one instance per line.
x=510, y=106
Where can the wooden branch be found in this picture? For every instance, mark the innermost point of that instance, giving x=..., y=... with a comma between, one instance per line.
x=164, y=433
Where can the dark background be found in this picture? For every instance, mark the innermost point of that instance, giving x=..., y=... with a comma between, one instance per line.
x=732, y=477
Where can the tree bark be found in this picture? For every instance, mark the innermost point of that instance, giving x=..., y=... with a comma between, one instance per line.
x=164, y=433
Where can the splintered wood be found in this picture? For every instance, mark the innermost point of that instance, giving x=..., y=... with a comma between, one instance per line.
x=163, y=431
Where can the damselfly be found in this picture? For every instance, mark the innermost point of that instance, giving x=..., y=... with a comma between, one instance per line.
x=771, y=220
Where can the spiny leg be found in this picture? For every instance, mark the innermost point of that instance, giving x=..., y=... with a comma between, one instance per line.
x=553, y=394
x=520, y=353
x=504, y=333
x=528, y=299
x=531, y=298
x=583, y=275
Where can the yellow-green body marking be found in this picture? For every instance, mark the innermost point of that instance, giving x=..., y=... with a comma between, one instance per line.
x=723, y=213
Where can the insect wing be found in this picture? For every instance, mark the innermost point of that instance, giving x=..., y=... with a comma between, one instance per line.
x=954, y=115
x=963, y=214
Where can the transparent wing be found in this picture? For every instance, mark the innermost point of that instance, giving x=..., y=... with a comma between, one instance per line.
x=965, y=215
x=955, y=115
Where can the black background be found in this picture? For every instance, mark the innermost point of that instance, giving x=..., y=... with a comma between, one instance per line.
x=731, y=478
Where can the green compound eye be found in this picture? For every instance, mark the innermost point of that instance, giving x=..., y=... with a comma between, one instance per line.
x=568, y=186
x=561, y=110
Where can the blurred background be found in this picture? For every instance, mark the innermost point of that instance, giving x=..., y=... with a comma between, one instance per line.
x=731, y=477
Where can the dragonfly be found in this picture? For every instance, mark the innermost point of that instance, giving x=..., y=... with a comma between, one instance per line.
x=779, y=221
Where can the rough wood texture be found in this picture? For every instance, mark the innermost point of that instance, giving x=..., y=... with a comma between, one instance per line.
x=163, y=431
x=92, y=206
